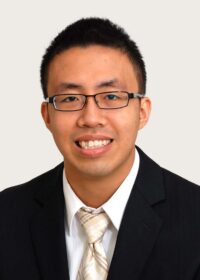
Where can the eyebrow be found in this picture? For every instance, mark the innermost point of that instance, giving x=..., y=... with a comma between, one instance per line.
x=69, y=85
x=75, y=86
x=108, y=83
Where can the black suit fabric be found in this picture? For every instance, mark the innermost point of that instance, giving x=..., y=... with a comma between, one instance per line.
x=158, y=239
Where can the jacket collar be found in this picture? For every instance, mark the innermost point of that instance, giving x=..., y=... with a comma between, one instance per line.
x=48, y=228
x=140, y=225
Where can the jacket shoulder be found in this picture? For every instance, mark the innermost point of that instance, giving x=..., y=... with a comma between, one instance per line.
x=174, y=181
x=22, y=192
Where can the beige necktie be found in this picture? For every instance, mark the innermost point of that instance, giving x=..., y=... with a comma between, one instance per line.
x=94, y=265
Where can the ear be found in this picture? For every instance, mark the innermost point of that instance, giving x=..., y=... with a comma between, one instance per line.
x=45, y=114
x=145, y=109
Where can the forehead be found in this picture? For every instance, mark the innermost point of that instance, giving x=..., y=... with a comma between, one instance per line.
x=91, y=65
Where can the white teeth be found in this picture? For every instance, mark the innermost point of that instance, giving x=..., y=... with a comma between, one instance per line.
x=92, y=144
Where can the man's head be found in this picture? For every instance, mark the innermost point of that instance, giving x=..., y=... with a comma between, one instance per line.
x=96, y=143
x=94, y=31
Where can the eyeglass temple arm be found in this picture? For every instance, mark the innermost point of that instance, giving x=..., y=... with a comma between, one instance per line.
x=49, y=99
x=135, y=95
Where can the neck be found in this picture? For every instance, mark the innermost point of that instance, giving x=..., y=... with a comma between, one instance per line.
x=94, y=191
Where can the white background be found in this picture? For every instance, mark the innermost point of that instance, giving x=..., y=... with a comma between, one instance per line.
x=168, y=34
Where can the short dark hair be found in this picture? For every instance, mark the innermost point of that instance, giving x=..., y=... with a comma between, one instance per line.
x=92, y=31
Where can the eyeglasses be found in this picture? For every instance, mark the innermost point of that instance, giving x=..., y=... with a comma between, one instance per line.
x=104, y=100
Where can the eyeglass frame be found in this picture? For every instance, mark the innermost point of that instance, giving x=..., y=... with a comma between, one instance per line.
x=131, y=95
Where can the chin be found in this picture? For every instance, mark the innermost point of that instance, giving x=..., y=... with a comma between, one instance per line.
x=94, y=172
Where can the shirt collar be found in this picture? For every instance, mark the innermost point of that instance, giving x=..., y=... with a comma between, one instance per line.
x=114, y=207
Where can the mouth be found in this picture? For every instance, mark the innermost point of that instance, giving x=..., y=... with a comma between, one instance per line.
x=93, y=144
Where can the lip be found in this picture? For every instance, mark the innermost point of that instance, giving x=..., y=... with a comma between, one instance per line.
x=95, y=152
x=88, y=137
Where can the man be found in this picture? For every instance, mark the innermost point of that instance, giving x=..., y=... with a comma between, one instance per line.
x=145, y=221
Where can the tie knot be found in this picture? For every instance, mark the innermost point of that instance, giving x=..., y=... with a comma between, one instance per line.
x=94, y=224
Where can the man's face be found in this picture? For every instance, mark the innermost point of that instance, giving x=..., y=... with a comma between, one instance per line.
x=112, y=133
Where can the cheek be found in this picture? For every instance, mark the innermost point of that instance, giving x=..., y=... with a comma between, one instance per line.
x=129, y=122
x=130, y=131
x=126, y=128
x=61, y=126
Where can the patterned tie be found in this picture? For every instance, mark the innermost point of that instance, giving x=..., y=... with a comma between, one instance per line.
x=94, y=265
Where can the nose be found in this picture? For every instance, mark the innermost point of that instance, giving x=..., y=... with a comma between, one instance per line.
x=91, y=115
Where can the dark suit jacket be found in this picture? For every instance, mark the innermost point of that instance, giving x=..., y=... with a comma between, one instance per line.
x=159, y=237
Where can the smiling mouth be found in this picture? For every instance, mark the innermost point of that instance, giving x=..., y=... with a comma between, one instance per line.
x=93, y=144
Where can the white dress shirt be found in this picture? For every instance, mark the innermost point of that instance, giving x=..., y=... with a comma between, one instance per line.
x=75, y=236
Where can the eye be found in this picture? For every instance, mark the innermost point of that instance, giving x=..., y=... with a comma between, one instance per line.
x=111, y=96
x=69, y=99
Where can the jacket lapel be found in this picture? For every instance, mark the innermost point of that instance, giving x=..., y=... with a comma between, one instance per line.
x=47, y=228
x=140, y=225
x=137, y=235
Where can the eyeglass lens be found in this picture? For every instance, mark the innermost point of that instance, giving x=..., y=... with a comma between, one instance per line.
x=107, y=100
